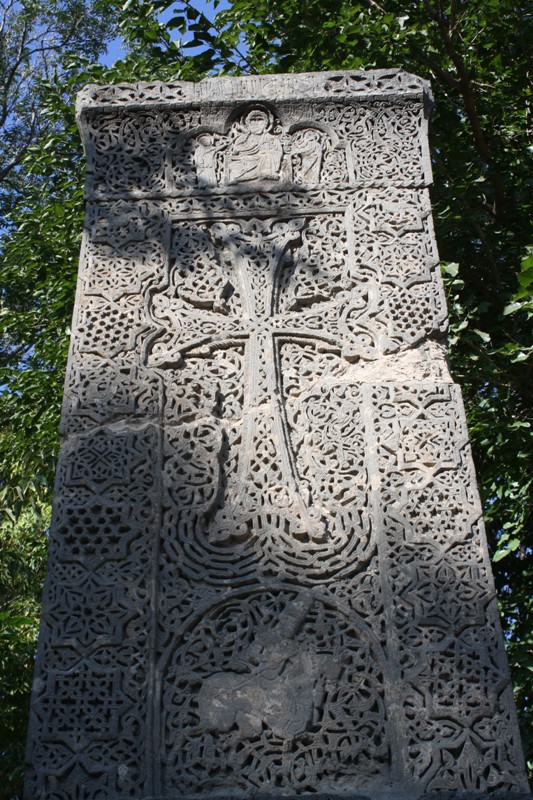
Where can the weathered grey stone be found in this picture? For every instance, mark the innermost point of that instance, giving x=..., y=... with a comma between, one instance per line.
x=268, y=573
x=476, y=796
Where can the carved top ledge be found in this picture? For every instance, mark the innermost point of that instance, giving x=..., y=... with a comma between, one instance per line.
x=382, y=83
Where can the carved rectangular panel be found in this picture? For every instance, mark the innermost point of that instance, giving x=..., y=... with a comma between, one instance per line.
x=268, y=573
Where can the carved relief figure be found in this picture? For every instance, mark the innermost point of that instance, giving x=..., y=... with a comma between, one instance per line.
x=256, y=153
x=273, y=688
x=205, y=160
x=307, y=156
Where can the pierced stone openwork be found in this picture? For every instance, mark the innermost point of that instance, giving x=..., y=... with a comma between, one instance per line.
x=268, y=574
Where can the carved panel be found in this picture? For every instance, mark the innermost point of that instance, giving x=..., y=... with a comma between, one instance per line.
x=92, y=683
x=157, y=152
x=274, y=688
x=453, y=673
x=265, y=87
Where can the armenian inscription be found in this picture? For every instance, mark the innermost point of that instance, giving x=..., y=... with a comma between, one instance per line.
x=268, y=575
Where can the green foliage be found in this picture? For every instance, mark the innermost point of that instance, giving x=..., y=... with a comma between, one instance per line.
x=23, y=546
x=476, y=55
x=36, y=37
x=39, y=251
x=38, y=264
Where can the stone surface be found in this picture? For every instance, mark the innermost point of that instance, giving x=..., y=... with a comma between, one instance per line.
x=268, y=573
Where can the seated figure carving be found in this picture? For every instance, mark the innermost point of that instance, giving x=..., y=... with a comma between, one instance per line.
x=256, y=153
x=280, y=685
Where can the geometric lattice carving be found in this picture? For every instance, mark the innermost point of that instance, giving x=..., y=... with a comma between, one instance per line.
x=268, y=573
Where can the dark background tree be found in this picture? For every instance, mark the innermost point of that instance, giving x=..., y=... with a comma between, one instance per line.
x=36, y=37
x=475, y=52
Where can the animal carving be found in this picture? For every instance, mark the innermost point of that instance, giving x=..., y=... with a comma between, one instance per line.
x=282, y=684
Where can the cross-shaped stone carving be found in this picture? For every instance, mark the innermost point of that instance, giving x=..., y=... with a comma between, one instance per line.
x=251, y=256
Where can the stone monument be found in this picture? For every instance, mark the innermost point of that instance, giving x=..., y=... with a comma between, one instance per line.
x=268, y=574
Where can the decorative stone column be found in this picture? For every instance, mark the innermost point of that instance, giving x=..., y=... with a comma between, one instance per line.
x=268, y=573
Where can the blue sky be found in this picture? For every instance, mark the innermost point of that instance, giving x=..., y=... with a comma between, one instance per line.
x=115, y=48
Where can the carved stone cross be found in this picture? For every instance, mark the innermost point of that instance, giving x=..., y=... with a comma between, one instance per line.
x=252, y=255
x=268, y=575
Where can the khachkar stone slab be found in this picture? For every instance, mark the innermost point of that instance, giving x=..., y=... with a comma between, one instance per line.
x=268, y=574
